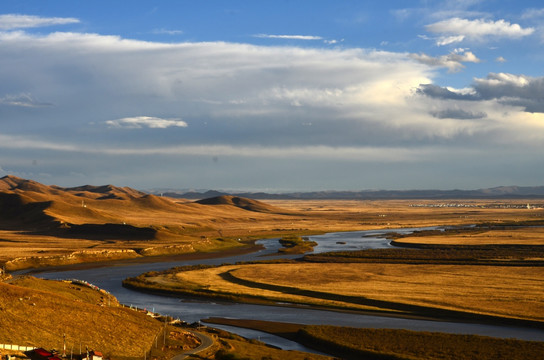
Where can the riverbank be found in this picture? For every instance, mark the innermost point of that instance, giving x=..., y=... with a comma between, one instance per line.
x=252, y=284
x=473, y=283
x=246, y=248
x=194, y=310
x=346, y=342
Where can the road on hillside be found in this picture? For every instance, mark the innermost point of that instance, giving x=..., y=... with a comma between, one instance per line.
x=205, y=343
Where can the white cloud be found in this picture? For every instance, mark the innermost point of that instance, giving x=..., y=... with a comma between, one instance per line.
x=139, y=122
x=532, y=13
x=479, y=29
x=33, y=143
x=289, y=37
x=444, y=40
x=167, y=32
x=23, y=100
x=447, y=40
x=367, y=153
x=16, y=21
x=453, y=61
x=500, y=59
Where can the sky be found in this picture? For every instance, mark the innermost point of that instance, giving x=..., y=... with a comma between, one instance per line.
x=273, y=96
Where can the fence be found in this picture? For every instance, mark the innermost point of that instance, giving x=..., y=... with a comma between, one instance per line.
x=16, y=347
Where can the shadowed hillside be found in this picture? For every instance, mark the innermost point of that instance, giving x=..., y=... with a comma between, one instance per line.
x=17, y=210
x=84, y=223
x=240, y=202
x=95, y=212
x=105, y=192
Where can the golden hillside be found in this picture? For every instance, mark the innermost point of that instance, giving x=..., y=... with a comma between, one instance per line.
x=37, y=312
x=42, y=220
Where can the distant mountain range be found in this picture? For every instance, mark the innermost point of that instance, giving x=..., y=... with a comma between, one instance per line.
x=502, y=192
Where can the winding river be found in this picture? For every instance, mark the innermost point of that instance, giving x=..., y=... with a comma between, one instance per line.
x=110, y=276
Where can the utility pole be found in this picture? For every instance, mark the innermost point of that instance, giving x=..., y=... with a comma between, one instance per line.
x=164, y=331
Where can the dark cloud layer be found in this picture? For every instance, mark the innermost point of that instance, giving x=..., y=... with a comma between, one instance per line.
x=507, y=89
x=458, y=114
x=439, y=92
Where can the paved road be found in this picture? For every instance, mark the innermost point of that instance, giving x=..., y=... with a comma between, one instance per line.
x=205, y=343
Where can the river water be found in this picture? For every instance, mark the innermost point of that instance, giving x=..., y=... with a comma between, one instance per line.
x=110, y=277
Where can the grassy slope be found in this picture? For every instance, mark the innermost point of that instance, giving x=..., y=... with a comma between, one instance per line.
x=37, y=312
x=361, y=343
x=39, y=220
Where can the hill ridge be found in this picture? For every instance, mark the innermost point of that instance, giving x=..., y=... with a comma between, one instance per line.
x=240, y=202
x=108, y=212
x=499, y=192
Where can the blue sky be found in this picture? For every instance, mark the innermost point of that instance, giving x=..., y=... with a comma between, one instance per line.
x=273, y=95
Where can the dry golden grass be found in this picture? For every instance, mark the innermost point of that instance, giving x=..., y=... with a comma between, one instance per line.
x=198, y=226
x=38, y=312
x=516, y=292
x=493, y=290
x=210, y=279
x=521, y=236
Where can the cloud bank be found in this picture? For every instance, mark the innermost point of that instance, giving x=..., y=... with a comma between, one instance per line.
x=16, y=21
x=139, y=122
x=507, y=89
x=289, y=37
x=453, y=61
x=457, y=29
x=108, y=102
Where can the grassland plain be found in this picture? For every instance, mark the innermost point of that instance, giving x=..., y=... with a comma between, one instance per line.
x=454, y=280
x=450, y=291
x=48, y=225
x=44, y=225
x=494, y=235
x=485, y=283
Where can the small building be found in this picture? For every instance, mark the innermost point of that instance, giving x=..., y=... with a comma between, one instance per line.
x=41, y=354
x=93, y=355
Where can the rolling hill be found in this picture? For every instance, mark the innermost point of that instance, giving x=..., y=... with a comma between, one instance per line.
x=102, y=211
x=45, y=225
x=240, y=202
x=69, y=225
